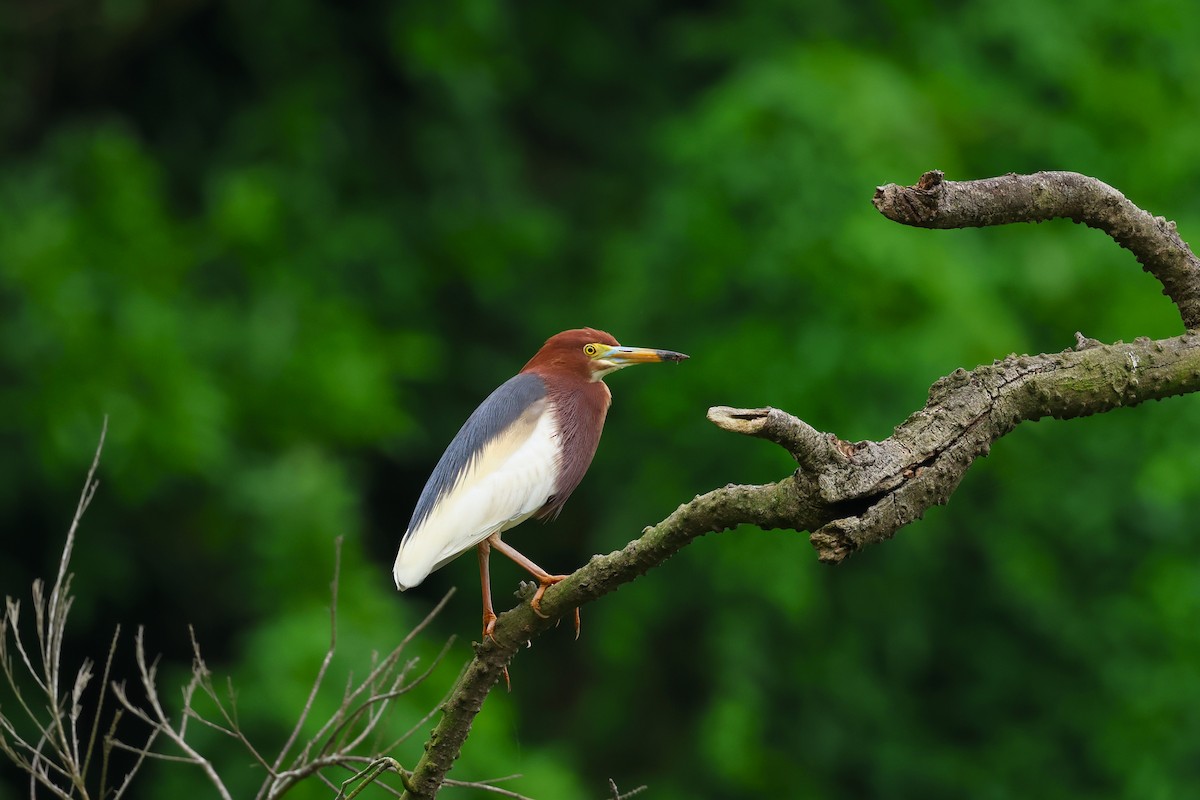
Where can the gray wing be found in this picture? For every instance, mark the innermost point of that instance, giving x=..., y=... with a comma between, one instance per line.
x=500, y=468
x=496, y=414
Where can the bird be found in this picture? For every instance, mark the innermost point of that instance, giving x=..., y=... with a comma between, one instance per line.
x=521, y=454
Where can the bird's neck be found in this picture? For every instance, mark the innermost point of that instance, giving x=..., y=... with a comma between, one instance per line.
x=579, y=411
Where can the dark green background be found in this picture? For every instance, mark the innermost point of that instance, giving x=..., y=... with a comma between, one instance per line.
x=287, y=247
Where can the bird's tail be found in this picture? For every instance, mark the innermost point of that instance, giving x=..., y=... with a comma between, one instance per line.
x=408, y=571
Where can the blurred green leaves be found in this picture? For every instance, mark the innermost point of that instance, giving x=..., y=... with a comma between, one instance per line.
x=288, y=248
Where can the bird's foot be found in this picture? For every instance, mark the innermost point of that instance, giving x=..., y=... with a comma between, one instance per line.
x=489, y=632
x=489, y=625
x=544, y=583
x=536, y=603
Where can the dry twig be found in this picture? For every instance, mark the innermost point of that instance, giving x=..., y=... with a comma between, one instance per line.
x=59, y=753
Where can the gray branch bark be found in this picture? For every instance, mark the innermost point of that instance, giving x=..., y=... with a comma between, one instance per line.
x=938, y=203
x=850, y=495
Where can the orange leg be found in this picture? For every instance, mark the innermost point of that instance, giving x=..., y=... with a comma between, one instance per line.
x=545, y=579
x=489, y=613
x=485, y=582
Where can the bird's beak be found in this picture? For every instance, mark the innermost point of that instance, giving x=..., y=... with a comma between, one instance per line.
x=628, y=356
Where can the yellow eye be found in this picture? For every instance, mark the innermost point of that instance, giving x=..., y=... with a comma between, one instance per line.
x=590, y=350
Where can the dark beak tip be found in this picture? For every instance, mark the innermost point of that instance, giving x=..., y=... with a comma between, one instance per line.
x=671, y=356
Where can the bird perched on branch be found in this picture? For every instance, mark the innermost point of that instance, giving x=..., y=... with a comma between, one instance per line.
x=519, y=455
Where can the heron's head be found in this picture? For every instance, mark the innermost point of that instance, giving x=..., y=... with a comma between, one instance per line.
x=587, y=354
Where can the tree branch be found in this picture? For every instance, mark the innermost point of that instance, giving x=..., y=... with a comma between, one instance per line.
x=938, y=203
x=853, y=495
x=892, y=483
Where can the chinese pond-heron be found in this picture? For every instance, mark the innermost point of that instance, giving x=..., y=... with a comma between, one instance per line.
x=519, y=455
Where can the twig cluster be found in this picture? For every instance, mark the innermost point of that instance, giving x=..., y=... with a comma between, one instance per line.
x=350, y=738
x=60, y=754
x=58, y=741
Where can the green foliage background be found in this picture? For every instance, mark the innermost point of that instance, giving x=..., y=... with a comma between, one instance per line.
x=287, y=247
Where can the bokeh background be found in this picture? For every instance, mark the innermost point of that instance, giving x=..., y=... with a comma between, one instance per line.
x=286, y=247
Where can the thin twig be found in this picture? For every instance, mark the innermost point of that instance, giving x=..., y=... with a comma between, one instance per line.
x=312, y=695
x=488, y=786
x=160, y=719
x=321, y=739
x=64, y=753
x=112, y=650
x=618, y=795
x=56, y=758
x=377, y=704
x=202, y=678
x=111, y=743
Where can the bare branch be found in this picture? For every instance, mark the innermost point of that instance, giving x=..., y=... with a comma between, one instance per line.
x=369, y=775
x=922, y=464
x=60, y=756
x=312, y=695
x=158, y=718
x=938, y=203
x=812, y=449
x=110, y=744
x=618, y=795
x=92, y=737
x=363, y=706
x=202, y=679
x=377, y=704
x=490, y=787
x=57, y=760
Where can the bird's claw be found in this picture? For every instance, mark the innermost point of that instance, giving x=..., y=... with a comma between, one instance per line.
x=536, y=601
x=543, y=584
x=489, y=632
x=576, y=624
